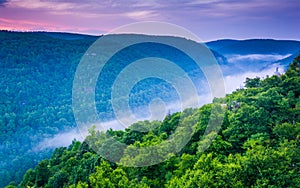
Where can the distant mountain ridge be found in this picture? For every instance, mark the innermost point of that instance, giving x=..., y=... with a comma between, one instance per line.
x=254, y=54
x=67, y=36
x=225, y=48
x=254, y=46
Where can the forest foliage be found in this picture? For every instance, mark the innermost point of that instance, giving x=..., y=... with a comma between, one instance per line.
x=258, y=145
x=36, y=71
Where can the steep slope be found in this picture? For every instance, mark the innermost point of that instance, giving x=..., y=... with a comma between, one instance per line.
x=285, y=62
x=37, y=71
x=258, y=144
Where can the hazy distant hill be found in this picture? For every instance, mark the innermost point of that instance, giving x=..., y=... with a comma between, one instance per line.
x=286, y=61
x=255, y=54
x=255, y=46
x=216, y=45
x=67, y=36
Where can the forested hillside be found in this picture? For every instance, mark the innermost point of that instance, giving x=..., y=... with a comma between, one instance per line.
x=258, y=145
x=37, y=71
x=36, y=90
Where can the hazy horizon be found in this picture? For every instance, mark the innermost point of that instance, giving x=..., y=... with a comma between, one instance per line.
x=94, y=35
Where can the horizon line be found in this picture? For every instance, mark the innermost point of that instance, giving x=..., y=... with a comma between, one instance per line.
x=95, y=35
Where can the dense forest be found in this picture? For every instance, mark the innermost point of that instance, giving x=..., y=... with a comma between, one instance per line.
x=37, y=71
x=258, y=145
x=36, y=90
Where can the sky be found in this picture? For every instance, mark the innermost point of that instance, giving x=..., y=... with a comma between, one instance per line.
x=208, y=19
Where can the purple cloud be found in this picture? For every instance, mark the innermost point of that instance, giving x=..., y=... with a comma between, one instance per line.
x=2, y=3
x=210, y=19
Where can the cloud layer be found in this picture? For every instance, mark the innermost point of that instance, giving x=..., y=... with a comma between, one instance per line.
x=232, y=82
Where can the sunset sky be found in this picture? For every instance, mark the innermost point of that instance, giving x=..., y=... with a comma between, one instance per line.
x=209, y=19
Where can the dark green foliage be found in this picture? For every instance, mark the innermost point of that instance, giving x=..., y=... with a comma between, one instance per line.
x=257, y=146
x=36, y=89
x=59, y=179
x=254, y=82
x=42, y=173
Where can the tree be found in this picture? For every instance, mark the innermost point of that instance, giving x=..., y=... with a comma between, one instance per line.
x=252, y=82
x=42, y=173
x=29, y=178
x=59, y=179
x=101, y=178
